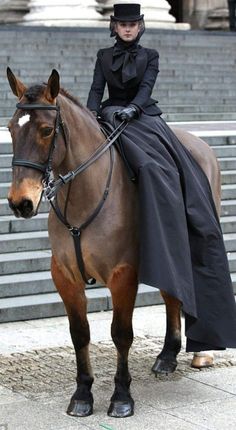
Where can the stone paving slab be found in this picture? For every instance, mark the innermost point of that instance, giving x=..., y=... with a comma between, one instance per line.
x=30, y=415
x=216, y=415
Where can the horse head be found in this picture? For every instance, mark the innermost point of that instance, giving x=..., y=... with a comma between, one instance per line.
x=33, y=129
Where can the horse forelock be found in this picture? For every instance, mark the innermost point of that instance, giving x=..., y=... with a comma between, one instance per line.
x=34, y=92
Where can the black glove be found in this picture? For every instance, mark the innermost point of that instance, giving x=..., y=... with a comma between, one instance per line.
x=128, y=113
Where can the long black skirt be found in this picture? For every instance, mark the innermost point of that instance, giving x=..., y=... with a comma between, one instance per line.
x=181, y=244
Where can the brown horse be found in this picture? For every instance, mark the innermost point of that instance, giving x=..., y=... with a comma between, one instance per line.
x=109, y=243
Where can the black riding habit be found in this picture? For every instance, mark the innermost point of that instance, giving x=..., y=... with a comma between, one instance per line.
x=181, y=244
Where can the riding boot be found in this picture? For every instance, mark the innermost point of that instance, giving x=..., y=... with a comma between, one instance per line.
x=202, y=359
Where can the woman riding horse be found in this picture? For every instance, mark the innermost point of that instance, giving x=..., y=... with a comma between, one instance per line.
x=181, y=246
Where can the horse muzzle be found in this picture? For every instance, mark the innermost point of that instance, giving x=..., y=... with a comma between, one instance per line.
x=23, y=209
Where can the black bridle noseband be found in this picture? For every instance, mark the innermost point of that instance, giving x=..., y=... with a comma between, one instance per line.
x=51, y=187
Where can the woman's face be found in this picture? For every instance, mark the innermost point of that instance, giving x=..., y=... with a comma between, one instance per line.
x=127, y=31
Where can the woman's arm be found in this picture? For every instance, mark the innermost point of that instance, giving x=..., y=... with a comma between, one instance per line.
x=97, y=88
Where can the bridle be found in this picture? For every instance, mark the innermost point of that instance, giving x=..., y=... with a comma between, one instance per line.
x=45, y=168
x=51, y=186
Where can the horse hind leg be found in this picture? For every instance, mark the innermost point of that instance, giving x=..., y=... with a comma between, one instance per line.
x=73, y=296
x=166, y=361
x=123, y=286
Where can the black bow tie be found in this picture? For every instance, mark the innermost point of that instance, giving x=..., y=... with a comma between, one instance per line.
x=125, y=58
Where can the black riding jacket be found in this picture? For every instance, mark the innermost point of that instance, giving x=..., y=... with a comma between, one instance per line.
x=136, y=91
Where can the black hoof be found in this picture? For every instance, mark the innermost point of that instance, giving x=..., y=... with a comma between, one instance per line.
x=164, y=366
x=80, y=408
x=120, y=409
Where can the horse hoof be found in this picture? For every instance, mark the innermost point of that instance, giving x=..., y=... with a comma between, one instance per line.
x=80, y=408
x=202, y=361
x=164, y=366
x=120, y=409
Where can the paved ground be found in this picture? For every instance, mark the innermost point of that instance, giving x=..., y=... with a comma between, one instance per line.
x=37, y=375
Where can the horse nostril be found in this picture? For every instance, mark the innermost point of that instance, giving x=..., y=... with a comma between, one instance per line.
x=25, y=208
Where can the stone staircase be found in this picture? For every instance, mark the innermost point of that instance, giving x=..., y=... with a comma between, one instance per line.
x=197, y=79
x=197, y=82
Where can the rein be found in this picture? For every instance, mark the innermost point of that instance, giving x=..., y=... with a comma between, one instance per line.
x=51, y=187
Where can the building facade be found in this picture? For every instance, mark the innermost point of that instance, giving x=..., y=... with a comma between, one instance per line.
x=172, y=14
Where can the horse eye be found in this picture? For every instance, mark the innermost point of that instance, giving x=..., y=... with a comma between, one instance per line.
x=46, y=131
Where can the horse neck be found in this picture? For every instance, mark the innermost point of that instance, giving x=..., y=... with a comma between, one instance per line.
x=84, y=137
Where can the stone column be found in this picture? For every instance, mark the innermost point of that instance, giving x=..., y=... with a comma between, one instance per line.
x=81, y=13
x=156, y=12
x=210, y=14
x=12, y=11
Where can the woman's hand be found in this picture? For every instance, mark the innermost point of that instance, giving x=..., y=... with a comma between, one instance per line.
x=128, y=113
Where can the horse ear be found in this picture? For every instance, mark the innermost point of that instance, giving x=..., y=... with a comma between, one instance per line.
x=53, y=86
x=18, y=88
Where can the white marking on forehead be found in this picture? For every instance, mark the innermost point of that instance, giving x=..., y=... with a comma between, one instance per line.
x=24, y=119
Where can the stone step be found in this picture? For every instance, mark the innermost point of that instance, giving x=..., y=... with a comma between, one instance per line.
x=232, y=261
x=25, y=284
x=5, y=147
x=197, y=116
x=11, y=224
x=180, y=96
x=181, y=107
x=227, y=163
x=5, y=174
x=228, y=192
x=220, y=140
x=4, y=188
x=19, y=242
x=228, y=177
x=23, y=262
x=5, y=210
x=22, y=284
x=5, y=160
x=228, y=207
x=230, y=242
x=228, y=224
x=224, y=150
x=50, y=304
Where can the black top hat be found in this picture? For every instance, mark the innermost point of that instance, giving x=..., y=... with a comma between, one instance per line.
x=126, y=12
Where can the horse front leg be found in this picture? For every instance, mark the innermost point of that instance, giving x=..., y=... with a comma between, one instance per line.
x=73, y=296
x=123, y=287
x=166, y=361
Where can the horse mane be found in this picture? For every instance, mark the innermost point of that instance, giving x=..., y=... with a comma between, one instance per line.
x=74, y=99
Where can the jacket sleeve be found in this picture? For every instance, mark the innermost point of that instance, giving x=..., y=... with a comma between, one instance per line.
x=98, y=85
x=148, y=80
